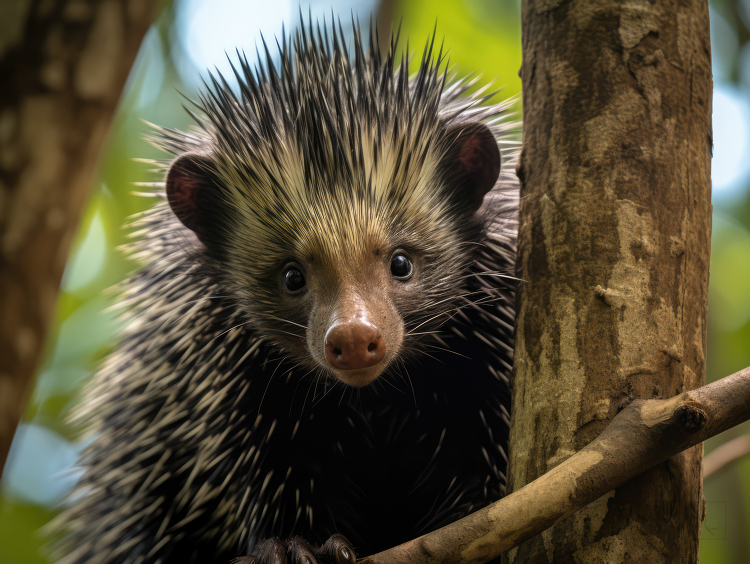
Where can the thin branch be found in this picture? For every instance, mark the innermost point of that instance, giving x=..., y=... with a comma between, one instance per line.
x=641, y=436
x=726, y=454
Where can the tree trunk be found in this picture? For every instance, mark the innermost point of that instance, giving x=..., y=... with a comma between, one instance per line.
x=613, y=254
x=63, y=65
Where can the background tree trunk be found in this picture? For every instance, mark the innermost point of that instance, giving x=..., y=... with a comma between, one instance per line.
x=614, y=254
x=63, y=66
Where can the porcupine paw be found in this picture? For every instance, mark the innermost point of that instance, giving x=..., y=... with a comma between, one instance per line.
x=336, y=550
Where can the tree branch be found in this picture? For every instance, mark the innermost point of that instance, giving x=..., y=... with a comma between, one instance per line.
x=725, y=454
x=641, y=436
x=63, y=67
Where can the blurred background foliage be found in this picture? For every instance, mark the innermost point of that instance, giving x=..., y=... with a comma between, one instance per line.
x=483, y=35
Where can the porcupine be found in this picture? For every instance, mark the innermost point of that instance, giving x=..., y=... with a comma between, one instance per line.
x=319, y=340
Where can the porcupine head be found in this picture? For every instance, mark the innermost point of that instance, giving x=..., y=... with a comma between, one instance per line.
x=338, y=200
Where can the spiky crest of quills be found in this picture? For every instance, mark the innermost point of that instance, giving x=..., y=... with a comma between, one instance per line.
x=326, y=103
x=208, y=439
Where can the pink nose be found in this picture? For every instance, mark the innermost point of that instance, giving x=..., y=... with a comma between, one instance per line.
x=353, y=344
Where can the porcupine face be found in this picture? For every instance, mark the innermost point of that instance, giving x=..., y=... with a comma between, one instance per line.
x=339, y=204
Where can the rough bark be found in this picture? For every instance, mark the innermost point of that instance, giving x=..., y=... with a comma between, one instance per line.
x=64, y=64
x=642, y=435
x=614, y=254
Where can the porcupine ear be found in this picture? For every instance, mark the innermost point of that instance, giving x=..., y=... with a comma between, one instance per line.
x=188, y=184
x=472, y=162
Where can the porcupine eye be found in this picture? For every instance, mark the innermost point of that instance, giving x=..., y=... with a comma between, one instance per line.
x=294, y=280
x=401, y=267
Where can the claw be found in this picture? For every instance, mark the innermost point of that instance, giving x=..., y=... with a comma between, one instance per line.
x=339, y=550
x=336, y=550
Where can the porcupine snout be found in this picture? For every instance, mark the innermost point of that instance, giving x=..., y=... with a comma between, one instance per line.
x=361, y=336
x=353, y=344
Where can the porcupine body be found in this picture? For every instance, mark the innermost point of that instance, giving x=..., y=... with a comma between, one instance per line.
x=332, y=188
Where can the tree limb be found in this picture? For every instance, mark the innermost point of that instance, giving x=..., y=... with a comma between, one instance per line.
x=726, y=454
x=642, y=435
x=63, y=65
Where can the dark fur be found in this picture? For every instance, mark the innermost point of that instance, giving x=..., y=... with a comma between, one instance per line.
x=210, y=437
